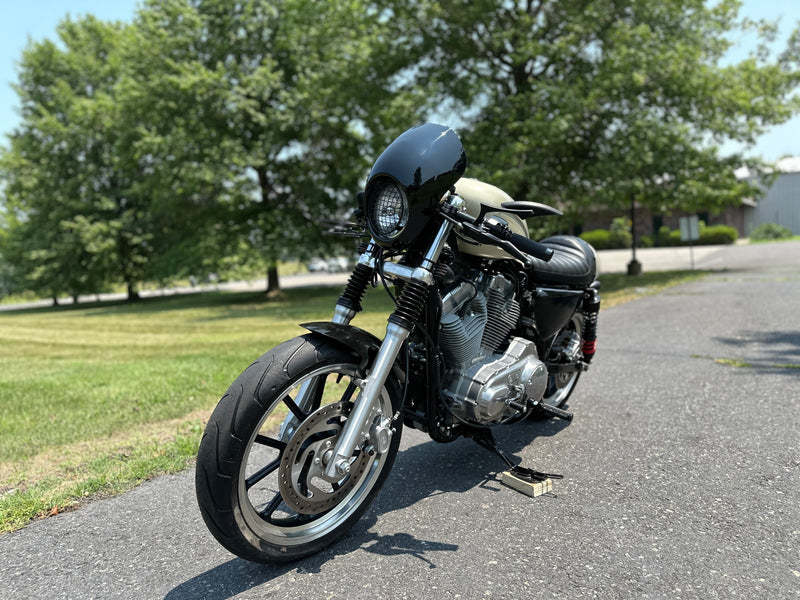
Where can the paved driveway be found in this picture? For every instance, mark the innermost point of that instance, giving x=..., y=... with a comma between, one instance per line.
x=682, y=478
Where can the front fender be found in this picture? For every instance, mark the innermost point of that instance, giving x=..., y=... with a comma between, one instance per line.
x=361, y=342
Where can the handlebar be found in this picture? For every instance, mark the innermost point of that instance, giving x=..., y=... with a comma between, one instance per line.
x=500, y=235
x=529, y=246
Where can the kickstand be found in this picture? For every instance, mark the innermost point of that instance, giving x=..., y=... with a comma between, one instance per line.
x=485, y=438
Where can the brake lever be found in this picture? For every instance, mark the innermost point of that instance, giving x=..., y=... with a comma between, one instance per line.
x=524, y=244
x=518, y=246
x=484, y=237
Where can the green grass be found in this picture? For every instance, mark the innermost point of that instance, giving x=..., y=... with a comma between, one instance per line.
x=618, y=288
x=729, y=362
x=285, y=268
x=794, y=238
x=96, y=398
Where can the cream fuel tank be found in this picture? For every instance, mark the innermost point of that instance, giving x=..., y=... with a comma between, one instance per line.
x=474, y=193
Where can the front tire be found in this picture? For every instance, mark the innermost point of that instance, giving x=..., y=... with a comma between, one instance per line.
x=259, y=469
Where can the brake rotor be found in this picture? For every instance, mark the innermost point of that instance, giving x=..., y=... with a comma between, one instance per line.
x=302, y=481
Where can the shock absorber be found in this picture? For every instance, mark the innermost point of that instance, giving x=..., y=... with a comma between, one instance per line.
x=591, y=306
x=412, y=300
x=356, y=287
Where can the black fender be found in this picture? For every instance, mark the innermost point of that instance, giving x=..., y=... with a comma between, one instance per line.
x=361, y=342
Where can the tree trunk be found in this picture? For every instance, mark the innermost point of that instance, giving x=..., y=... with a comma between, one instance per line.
x=55, y=301
x=133, y=295
x=74, y=298
x=273, y=285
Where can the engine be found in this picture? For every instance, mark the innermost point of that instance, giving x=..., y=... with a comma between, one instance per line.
x=490, y=375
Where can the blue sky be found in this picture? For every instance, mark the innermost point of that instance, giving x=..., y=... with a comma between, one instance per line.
x=21, y=20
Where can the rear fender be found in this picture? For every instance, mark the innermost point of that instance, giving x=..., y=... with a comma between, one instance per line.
x=361, y=342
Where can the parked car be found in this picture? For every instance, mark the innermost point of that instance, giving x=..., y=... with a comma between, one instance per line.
x=337, y=264
x=317, y=265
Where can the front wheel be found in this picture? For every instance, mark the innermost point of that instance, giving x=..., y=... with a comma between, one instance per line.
x=260, y=477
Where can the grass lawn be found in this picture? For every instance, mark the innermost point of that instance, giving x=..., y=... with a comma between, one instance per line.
x=99, y=397
x=794, y=238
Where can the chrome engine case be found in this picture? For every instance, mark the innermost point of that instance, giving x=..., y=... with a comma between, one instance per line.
x=484, y=392
x=490, y=376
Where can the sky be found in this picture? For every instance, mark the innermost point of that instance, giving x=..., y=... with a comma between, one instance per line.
x=23, y=20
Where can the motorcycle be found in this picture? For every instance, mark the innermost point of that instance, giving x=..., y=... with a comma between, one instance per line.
x=490, y=327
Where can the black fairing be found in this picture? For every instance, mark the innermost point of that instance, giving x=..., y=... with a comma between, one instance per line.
x=425, y=161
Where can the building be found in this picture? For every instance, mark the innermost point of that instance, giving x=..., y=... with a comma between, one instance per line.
x=781, y=202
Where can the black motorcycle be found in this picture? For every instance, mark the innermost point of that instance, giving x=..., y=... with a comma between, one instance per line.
x=490, y=327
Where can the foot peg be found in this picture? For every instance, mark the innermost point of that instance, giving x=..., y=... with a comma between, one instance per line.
x=554, y=411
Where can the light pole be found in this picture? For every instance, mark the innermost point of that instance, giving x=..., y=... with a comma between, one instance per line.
x=634, y=267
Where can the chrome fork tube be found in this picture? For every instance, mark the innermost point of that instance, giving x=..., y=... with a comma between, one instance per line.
x=357, y=422
x=397, y=331
x=432, y=256
x=342, y=315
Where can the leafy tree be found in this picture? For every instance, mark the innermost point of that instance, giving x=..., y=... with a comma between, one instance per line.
x=57, y=171
x=586, y=102
x=278, y=101
x=89, y=199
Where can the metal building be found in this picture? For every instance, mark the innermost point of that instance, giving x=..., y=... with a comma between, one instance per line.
x=781, y=202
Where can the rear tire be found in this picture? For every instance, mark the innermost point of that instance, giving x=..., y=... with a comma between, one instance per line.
x=561, y=385
x=255, y=440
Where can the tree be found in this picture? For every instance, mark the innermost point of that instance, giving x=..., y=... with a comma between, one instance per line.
x=90, y=201
x=278, y=100
x=582, y=103
x=58, y=180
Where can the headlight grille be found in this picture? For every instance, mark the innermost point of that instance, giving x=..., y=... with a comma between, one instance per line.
x=389, y=210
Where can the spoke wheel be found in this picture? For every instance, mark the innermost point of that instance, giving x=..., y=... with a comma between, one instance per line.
x=282, y=505
x=560, y=385
x=304, y=485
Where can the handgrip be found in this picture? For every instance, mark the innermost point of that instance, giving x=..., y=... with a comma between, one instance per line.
x=528, y=246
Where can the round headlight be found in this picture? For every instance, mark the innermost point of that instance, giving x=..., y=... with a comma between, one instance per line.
x=389, y=211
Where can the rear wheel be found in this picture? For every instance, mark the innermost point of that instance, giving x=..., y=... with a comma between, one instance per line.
x=561, y=385
x=260, y=477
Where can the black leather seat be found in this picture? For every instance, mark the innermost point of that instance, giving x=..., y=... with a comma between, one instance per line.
x=574, y=262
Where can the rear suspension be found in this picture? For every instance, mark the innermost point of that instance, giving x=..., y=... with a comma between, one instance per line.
x=591, y=306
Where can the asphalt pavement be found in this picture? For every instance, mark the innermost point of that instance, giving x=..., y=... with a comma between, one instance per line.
x=681, y=480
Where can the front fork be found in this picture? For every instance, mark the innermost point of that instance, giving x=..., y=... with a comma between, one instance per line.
x=401, y=322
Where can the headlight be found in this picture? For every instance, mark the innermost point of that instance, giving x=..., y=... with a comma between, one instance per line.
x=388, y=212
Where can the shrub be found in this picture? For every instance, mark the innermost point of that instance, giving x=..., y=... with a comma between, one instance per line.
x=620, y=239
x=621, y=233
x=663, y=237
x=717, y=234
x=620, y=225
x=770, y=231
x=600, y=239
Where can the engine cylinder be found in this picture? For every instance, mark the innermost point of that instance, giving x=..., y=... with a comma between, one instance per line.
x=460, y=337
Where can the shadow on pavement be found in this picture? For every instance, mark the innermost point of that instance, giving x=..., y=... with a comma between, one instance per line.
x=448, y=468
x=771, y=351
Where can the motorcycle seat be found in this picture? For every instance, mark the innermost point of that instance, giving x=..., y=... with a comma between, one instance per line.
x=574, y=262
